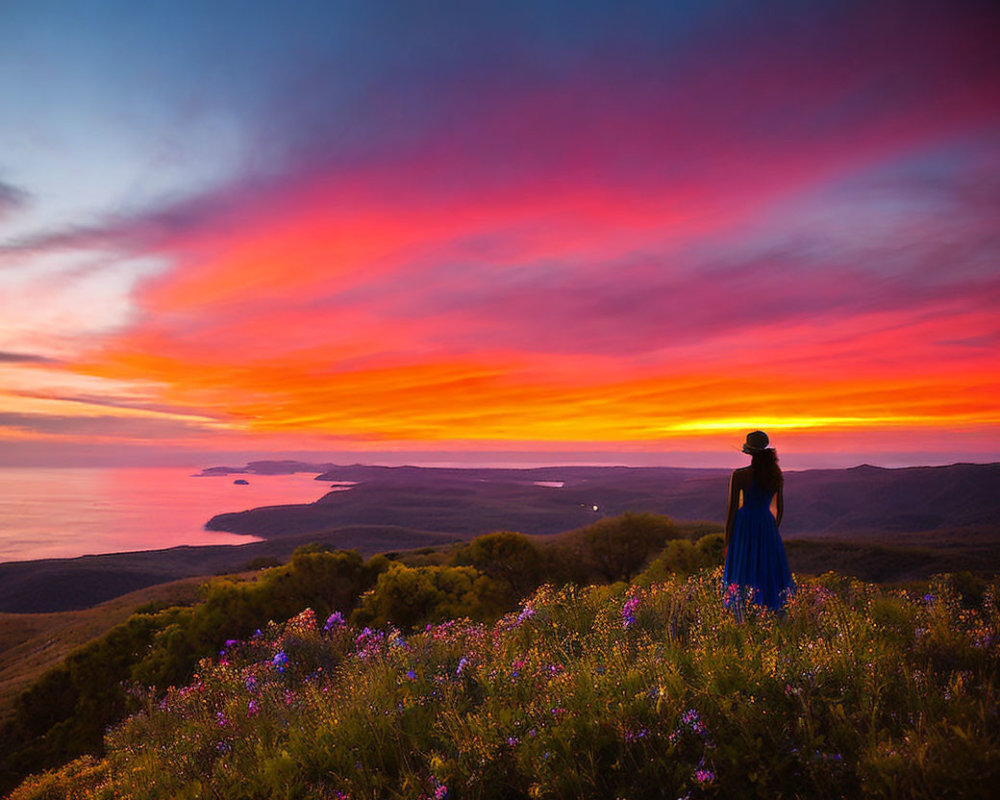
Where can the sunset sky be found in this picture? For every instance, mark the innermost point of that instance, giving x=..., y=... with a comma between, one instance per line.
x=618, y=232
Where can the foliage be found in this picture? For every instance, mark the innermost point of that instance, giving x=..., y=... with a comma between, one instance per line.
x=610, y=691
x=511, y=558
x=408, y=596
x=682, y=557
x=65, y=712
x=616, y=548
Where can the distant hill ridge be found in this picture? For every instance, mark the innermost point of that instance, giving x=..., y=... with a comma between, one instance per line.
x=861, y=500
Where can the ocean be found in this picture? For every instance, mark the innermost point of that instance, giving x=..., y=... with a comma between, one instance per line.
x=63, y=513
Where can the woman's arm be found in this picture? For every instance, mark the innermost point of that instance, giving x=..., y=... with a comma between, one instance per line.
x=779, y=500
x=734, y=504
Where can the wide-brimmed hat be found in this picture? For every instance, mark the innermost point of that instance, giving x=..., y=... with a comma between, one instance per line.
x=757, y=442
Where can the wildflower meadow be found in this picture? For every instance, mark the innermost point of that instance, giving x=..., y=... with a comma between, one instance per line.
x=619, y=691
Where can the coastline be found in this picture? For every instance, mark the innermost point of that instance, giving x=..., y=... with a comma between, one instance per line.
x=920, y=517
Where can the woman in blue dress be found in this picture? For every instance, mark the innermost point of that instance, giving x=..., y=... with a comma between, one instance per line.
x=756, y=568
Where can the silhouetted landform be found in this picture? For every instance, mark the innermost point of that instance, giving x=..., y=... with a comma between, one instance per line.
x=873, y=523
x=280, y=467
x=914, y=557
x=32, y=643
x=241, y=482
x=63, y=584
x=862, y=501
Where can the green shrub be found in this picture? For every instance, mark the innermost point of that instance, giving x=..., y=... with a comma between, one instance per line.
x=410, y=596
x=683, y=558
x=616, y=548
x=510, y=558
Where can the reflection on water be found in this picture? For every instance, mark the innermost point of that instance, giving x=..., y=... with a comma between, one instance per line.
x=61, y=513
x=550, y=484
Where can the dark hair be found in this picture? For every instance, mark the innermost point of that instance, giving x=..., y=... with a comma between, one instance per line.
x=766, y=472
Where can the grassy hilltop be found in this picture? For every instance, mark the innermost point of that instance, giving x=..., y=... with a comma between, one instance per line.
x=640, y=689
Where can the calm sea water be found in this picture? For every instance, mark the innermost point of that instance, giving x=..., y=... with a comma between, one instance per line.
x=62, y=513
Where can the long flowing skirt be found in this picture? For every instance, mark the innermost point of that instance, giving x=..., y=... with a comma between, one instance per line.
x=756, y=566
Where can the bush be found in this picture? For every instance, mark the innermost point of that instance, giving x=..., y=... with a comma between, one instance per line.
x=683, y=558
x=513, y=559
x=411, y=596
x=617, y=548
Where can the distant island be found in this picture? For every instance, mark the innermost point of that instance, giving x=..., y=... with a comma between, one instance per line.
x=280, y=467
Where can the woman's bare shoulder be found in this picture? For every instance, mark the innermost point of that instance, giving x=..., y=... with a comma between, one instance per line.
x=742, y=475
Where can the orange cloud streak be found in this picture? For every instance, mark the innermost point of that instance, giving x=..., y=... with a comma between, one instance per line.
x=364, y=309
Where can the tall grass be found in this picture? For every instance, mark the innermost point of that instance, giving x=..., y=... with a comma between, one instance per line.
x=619, y=691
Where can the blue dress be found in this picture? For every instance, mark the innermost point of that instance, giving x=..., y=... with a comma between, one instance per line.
x=755, y=561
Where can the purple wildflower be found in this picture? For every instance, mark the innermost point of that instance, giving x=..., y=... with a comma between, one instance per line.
x=440, y=789
x=369, y=643
x=634, y=736
x=335, y=620
x=252, y=708
x=462, y=664
x=628, y=611
x=280, y=660
x=704, y=776
x=693, y=721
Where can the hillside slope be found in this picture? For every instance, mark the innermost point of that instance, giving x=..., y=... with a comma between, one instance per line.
x=61, y=584
x=32, y=643
x=599, y=692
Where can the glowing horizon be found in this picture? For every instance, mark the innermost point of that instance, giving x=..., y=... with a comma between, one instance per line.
x=492, y=230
